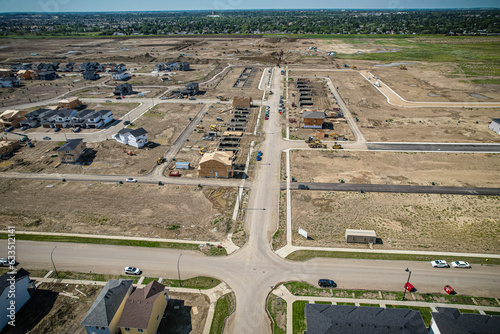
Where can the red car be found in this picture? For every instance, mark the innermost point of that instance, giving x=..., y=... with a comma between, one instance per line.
x=409, y=287
x=449, y=290
x=174, y=173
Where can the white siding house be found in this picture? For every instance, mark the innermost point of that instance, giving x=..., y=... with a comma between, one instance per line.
x=136, y=138
x=120, y=75
x=22, y=282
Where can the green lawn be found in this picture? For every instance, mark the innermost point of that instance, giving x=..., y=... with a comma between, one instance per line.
x=369, y=305
x=199, y=282
x=425, y=312
x=299, y=319
x=320, y=302
x=492, y=313
x=348, y=304
x=462, y=310
x=148, y=280
x=303, y=255
x=224, y=307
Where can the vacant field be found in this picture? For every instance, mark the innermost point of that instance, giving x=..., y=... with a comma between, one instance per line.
x=401, y=221
x=445, y=169
x=225, y=86
x=178, y=212
x=49, y=312
x=380, y=121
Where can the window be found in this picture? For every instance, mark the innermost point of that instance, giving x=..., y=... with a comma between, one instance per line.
x=127, y=329
x=157, y=317
x=140, y=330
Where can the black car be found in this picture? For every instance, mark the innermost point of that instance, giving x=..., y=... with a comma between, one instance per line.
x=327, y=283
x=303, y=187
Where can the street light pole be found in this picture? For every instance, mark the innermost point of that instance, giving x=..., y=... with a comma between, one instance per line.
x=178, y=271
x=57, y=275
x=408, y=281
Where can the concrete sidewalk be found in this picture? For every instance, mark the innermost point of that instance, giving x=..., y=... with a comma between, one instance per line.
x=213, y=294
x=284, y=293
x=288, y=249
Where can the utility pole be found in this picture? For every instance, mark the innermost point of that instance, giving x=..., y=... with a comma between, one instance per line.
x=408, y=281
x=178, y=271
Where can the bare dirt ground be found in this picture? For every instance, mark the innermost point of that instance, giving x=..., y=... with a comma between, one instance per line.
x=191, y=315
x=445, y=169
x=380, y=121
x=402, y=221
x=225, y=86
x=177, y=212
x=49, y=312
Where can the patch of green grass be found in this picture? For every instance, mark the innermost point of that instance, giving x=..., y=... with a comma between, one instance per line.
x=105, y=241
x=134, y=278
x=148, y=280
x=320, y=302
x=463, y=310
x=33, y=272
x=299, y=319
x=425, y=312
x=348, y=304
x=217, y=251
x=303, y=255
x=199, y=282
x=276, y=307
x=492, y=313
x=486, y=81
x=303, y=289
x=369, y=305
x=83, y=276
x=224, y=307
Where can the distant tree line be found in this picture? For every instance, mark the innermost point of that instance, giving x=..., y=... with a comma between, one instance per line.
x=467, y=22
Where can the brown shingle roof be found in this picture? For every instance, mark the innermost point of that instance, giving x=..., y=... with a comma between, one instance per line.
x=139, y=306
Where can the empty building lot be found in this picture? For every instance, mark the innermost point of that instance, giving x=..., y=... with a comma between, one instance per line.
x=401, y=221
x=444, y=169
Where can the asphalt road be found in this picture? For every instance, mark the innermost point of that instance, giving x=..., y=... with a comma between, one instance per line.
x=390, y=188
x=434, y=147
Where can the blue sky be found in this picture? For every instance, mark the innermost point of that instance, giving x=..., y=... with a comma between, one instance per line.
x=165, y=5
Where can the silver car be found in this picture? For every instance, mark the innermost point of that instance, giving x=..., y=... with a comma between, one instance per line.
x=132, y=271
x=460, y=264
x=439, y=264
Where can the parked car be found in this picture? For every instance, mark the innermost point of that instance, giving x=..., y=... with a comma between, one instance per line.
x=449, y=290
x=24, y=128
x=163, y=98
x=259, y=158
x=132, y=271
x=57, y=129
x=118, y=97
x=4, y=262
x=126, y=123
x=108, y=101
x=439, y=264
x=46, y=138
x=192, y=98
x=460, y=264
x=174, y=173
x=77, y=129
x=9, y=129
x=327, y=283
x=131, y=180
x=303, y=187
x=409, y=287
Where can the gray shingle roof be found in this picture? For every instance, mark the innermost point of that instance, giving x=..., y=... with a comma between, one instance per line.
x=70, y=144
x=134, y=132
x=101, y=113
x=496, y=120
x=107, y=303
x=313, y=114
x=20, y=274
x=325, y=319
x=451, y=321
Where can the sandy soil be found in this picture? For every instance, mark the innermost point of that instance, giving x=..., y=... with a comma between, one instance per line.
x=402, y=221
x=445, y=169
x=185, y=317
x=177, y=212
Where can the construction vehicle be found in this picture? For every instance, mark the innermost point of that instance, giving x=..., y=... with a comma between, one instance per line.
x=203, y=150
x=402, y=67
x=222, y=98
x=353, y=67
x=160, y=160
x=337, y=146
x=214, y=128
x=128, y=152
x=309, y=140
x=317, y=144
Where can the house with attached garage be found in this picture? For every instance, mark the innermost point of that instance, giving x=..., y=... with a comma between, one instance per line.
x=47, y=75
x=27, y=75
x=216, y=164
x=22, y=285
x=452, y=321
x=70, y=103
x=71, y=150
x=63, y=118
x=98, y=119
x=90, y=75
x=9, y=82
x=47, y=119
x=136, y=138
x=79, y=119
x=123, y=89
x=313, y=119
x=122, y=75
x=144, y=309
x=32, y=119
x=105, y=313
x=159, y=67
x=12, y=118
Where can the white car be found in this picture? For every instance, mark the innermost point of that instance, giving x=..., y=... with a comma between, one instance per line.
x=132, y=271
x=131, y=180
x=460, y=264
x=439, y=264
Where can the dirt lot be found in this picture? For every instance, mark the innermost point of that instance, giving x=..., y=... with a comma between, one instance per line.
x=225, y=86
x=382, y=122
x=182, y=212
x=49, y=312
x=402, y=221
x=184, y=319
x=445, y=169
